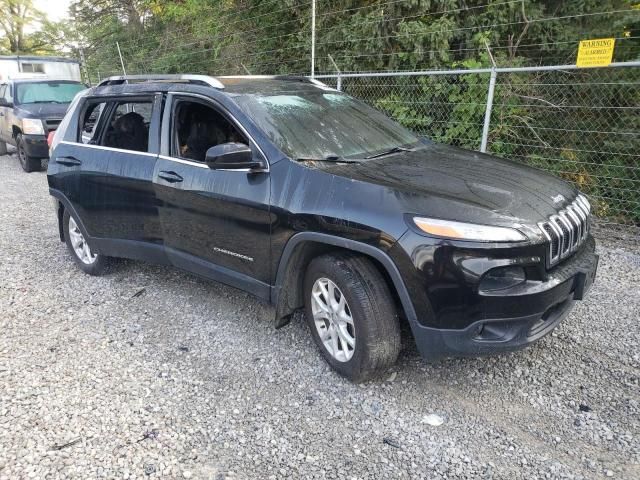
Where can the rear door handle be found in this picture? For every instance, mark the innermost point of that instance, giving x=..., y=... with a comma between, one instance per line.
x=171, y=177
x=68, y=161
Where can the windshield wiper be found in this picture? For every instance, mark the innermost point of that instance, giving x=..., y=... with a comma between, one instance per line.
x=390, y=151
x=328, y=158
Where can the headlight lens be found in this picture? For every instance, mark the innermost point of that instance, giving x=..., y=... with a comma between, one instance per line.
x=468, y=231
x=32, y=126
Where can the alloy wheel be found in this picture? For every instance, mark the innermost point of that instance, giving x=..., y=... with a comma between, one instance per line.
x=333, y=320
x=79, y=244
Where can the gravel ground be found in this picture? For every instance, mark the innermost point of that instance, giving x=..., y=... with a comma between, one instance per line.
x=149, y=371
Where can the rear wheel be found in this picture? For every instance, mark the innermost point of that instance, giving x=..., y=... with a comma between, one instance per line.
x=351, y=315
x=88, y=261
x=28, y=164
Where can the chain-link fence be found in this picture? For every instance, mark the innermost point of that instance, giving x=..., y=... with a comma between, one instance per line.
x=580, y=124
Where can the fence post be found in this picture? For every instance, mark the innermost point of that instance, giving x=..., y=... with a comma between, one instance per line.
x=313, y=38
x=124, y=72
x=487, y=113
x=339, y=78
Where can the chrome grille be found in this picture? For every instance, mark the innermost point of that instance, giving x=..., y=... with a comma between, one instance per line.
x=568, y=229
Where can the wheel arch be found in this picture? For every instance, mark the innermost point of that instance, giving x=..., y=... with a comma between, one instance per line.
x=65, y=205
x=60, y=216
x=287, y=293
x=16, y=131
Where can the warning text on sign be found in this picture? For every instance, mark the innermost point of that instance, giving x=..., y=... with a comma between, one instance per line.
x=595, y=53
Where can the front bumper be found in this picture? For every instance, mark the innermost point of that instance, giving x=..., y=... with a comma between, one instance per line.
x=513, y=318
x=35, y=146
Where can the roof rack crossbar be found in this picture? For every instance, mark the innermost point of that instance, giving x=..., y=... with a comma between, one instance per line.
x=197, y=79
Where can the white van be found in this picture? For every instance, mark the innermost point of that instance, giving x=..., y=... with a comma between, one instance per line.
x=18, y=66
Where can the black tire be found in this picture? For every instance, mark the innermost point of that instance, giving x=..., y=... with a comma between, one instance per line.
x=101, y=263
x=371, y=306
x=3, y=148
x=28, y=164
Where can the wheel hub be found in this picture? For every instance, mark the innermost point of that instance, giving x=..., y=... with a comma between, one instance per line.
x=333, y=320
x=79, y=244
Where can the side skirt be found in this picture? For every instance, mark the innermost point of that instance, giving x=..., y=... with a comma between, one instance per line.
x=219, y=273
x=159, y=254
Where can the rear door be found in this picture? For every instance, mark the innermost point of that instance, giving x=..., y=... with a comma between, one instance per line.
x=215, y=223
x=107, y=171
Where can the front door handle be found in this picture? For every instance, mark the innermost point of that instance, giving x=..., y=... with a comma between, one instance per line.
x=68, y=161
x=171, y=177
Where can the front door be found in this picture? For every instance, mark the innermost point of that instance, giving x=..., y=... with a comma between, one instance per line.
x=107, y=172
x=216, y=223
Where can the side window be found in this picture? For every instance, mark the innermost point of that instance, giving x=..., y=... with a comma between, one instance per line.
x=198, y=127
x=3, y=88
x=90, y=120
x=126, y=127
x=33, y=67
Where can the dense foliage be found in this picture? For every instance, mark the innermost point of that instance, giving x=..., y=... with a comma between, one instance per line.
x=273, y=36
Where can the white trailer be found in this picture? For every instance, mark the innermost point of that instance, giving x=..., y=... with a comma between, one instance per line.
x=19, y=66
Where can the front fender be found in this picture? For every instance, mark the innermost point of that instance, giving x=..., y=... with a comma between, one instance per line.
x=291, y=270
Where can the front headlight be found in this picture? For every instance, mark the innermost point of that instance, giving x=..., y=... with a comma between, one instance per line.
x=467, y=231
x=32, y=126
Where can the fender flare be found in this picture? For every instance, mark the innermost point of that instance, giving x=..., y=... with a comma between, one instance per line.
x=348, y=244
x=66, y=203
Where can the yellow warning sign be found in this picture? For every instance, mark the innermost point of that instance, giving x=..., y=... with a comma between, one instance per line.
x=595, y=53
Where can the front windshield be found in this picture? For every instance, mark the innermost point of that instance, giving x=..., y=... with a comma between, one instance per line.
x=47, y=92
x=323, y=124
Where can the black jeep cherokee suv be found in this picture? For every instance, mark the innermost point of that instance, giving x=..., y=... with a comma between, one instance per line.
x=308, y=198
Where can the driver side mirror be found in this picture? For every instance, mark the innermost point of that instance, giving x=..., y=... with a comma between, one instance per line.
x=231, y=156
x=4, y=103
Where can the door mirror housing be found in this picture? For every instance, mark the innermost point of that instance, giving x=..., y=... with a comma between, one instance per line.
x=232, y=156
x=4, y=103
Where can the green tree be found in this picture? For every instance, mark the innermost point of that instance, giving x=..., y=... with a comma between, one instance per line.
x=16, y=16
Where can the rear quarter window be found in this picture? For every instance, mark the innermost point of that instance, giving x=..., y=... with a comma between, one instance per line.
x=113, y=123
x=89, y=121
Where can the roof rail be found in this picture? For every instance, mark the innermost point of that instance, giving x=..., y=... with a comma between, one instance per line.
x=196, y=79
x=248, y=76
x=292, y=78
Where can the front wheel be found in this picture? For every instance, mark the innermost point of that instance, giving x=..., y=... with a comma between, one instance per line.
x=88, y=261
x=3, y=148
x=28, y=164
x=351, y=315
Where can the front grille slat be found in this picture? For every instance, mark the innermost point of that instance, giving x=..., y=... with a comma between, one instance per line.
x=567, y=230
x=581, y=219
x=52, y=124
x=575, y=227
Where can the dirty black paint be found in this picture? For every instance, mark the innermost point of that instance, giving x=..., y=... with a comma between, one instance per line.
x=234, y=226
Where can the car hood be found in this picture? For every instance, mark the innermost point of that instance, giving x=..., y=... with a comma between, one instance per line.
x=42, y=110
x=452, y=183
